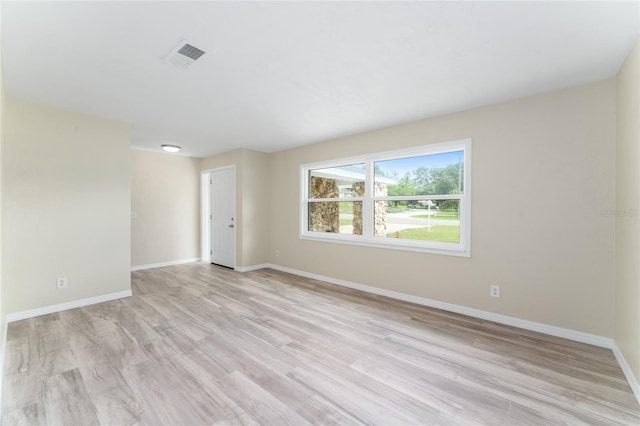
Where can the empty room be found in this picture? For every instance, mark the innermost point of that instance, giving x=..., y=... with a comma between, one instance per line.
x=332, y=212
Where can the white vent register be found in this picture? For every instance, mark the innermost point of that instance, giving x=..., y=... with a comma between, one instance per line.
x=183, y=54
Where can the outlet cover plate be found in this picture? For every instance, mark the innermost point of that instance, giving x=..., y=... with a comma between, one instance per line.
x=61, y=282
x=494, y=291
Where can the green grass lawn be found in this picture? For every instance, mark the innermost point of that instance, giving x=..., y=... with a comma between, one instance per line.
x=445, y=234
x=439, y=216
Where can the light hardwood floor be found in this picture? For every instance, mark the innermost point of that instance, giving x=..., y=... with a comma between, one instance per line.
x=199, y=344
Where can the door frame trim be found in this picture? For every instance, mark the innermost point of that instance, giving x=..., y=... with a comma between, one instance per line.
x=205, y=211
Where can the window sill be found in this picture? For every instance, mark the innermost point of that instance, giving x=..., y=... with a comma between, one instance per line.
x=439, y=249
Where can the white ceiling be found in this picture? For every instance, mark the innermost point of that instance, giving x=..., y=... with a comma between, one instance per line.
x=284, y=74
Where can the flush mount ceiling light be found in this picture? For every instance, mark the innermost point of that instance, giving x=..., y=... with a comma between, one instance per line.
x=171, y=148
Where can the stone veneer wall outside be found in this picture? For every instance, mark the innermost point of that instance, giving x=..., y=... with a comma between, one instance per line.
x=358, y=191
x=324, y=217
x=380, y=210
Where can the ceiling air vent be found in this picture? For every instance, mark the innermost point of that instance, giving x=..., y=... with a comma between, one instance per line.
x=183, y=54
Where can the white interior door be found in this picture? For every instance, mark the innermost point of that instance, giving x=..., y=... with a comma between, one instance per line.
x=223, y=217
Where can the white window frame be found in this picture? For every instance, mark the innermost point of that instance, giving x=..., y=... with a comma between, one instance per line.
x=463, y=248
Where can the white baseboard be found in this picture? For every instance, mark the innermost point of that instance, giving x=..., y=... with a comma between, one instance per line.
x=67, y=305
x=626, y=369
x=252, y=267
x=565, y=333
x=161, y=264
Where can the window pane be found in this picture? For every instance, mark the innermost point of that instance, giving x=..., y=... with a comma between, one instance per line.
x=337, y=182
x=435, y=174
x=432, y=220
x=336, y=217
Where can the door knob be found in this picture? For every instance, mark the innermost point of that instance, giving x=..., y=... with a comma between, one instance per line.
x=230, y=226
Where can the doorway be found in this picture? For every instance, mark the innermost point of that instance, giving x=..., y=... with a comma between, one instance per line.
x=219, y=222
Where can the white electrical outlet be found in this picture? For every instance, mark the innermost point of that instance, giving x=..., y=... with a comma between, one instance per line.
x=494, y=291
x=61, y=282
x=277, y=252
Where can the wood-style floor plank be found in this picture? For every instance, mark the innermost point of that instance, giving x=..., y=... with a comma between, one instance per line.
x=66, y=401
x=199, y=344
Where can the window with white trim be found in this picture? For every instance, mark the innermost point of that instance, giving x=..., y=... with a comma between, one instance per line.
x=416, y=199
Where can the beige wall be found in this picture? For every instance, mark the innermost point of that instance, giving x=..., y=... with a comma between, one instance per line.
x=543, y=173
x=256, y=201
x=252, y=201
x=3, y=315
x=165, y=195
x=627, y=311
x=66, y=202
